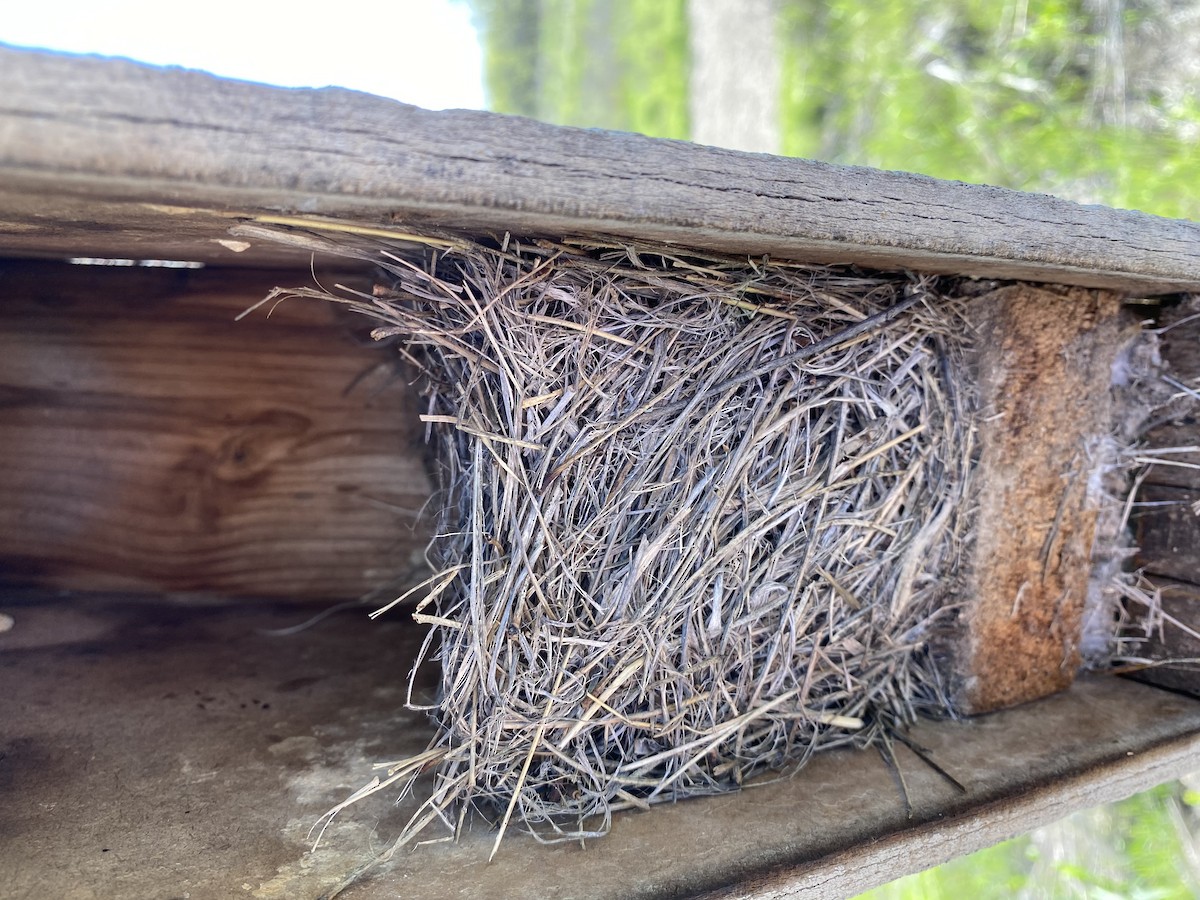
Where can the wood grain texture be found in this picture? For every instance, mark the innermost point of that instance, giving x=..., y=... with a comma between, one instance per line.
x=1043, y=381
x=1166, y=522
x=114, y=157
x=1167, y=532
x=1181, y=470
x=1179, y=426
x=149, y=441
x=1177, y=650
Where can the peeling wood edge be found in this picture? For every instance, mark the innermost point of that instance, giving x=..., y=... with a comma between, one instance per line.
x=860, y=868
x=207, y=220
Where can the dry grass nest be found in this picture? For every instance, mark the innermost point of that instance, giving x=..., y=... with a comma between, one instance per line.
x=699, y=516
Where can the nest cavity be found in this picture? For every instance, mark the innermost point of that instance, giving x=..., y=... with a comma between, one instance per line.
x=698, y=516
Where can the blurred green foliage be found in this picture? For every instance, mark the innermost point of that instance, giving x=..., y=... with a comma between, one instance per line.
x=1041, y=95
x=997, y=873
x=1014, y=94
x=1137, y=848
x=618, y=64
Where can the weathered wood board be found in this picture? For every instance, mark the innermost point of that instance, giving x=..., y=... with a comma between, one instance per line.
x=103, y=157
x=1044, y=383
x=150, y=441
x=161, y=749
x=1166, y=522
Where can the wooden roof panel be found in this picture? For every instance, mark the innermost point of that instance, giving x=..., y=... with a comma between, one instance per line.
x=110, y=156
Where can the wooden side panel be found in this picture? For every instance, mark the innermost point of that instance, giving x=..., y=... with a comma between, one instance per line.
x=149, y=441
x=1167, y=525
x=1168, y=532
x=1175, y=650
x=1044, y=376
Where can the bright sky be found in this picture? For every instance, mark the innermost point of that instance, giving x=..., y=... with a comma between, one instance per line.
x=420, y=51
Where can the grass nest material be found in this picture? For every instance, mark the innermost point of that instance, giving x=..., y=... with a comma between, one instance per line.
x=699, y=516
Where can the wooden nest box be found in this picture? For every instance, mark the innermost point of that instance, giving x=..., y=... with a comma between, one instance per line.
x=177, y=484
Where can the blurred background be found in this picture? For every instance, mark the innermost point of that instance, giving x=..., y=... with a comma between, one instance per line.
x=1093, y=100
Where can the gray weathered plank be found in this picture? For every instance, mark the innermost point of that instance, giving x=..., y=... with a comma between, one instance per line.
x=110, y=156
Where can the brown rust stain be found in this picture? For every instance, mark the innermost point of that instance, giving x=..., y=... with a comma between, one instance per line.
x=1044, y=366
